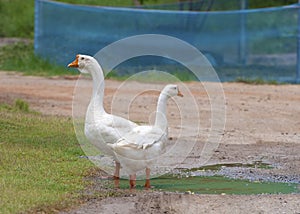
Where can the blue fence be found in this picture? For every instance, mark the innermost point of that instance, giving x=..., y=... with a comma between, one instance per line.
x=200, y=5
x=256, y=43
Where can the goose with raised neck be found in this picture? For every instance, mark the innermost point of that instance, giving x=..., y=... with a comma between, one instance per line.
x=100, y=127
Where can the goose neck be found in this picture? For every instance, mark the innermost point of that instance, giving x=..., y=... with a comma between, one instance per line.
x=98, y=88
x=161, y=112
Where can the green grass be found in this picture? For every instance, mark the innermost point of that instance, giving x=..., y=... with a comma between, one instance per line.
x=17, y=18
x=164, y=74
x=19, y=106
x=40, y=168
x=257, y=81
x=257, y=74
x=21, y=57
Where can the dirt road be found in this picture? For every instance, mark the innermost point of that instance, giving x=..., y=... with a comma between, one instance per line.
x=262, y=123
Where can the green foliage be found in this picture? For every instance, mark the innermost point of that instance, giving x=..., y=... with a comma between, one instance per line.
x=40, y=166
x=185, y=76
x=256, y=81
x=155, y=76
x=19, y=106
x=22, y=105
x=258, y=74
x=21, y=57
x=17, y=18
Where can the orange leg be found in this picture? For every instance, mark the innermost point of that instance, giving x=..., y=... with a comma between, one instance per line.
x=132, y=181
x=147, y=184
x=117, y=175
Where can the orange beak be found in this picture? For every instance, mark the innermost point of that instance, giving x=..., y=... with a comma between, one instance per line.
x=179, y=94
x=74, y=64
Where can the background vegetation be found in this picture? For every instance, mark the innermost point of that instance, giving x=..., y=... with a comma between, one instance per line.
x=17, y=16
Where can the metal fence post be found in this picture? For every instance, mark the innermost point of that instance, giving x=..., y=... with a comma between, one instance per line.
x=298, y=46
x=242, y=41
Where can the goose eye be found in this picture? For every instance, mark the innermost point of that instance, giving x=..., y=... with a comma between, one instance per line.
x=82, y=58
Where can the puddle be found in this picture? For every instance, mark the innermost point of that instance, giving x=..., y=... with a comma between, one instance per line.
x=215, y=185
x=232, y=178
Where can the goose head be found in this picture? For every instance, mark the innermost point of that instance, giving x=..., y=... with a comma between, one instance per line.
x=84, y=63
x=171, y=91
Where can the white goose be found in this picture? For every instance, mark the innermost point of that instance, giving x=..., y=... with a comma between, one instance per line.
x=139, y=149
x=100, y=127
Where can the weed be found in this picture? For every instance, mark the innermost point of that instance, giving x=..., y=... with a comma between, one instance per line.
x=22, y=105
x=256, y=81
x=18, y=106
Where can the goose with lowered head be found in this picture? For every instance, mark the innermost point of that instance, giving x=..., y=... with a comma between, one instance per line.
x=140, y=148
x=100, y=127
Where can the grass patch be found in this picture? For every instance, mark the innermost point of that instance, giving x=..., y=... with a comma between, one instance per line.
x=19, y=106
x=40, y=168
x=154, y=76
x=22, y=105
x=17, y=18
x=256, y=81
x=257, y=74
x=150, y=71
x=21, y=57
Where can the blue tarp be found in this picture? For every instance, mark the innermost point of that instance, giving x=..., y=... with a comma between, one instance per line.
x=256, y=43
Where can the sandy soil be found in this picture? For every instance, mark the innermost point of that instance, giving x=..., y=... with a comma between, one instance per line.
x=262, y=124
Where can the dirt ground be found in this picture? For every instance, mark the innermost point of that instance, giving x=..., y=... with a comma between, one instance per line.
x=262, y=124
